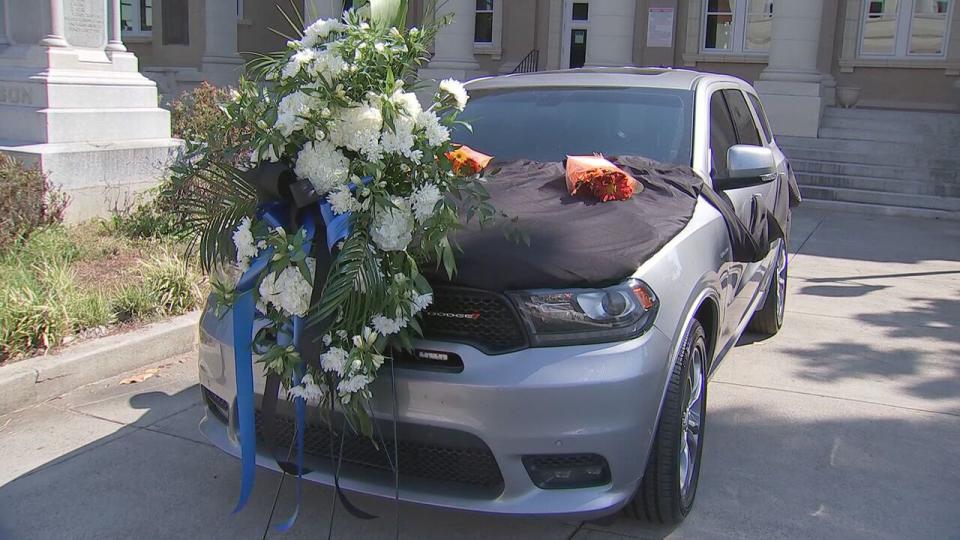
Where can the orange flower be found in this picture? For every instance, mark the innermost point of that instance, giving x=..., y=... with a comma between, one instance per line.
x=467, y=161
x=599, y=177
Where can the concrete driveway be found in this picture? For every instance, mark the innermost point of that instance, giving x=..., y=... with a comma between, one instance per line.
x=845, y=425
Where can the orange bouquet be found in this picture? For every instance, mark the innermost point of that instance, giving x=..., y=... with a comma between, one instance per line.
x=599, y=177
x=466, y=160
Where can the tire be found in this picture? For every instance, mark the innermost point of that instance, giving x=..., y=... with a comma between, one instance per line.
x=668, y=489
x=769, y=319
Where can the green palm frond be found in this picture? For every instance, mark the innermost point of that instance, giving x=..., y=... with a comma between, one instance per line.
x=353, y=286
x=211, y=200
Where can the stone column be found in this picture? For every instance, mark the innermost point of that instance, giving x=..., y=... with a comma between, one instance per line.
x=453, y=49
x=790, y=86
x=115, y=42
x=220, y=63
x=55, y=37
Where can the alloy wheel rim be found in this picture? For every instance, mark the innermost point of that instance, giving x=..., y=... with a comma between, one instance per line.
x=781, y=283
x=691, y=421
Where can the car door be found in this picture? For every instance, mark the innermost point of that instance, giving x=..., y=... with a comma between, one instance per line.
x=732, y=122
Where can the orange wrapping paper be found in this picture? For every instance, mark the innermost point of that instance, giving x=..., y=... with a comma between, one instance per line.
x=466, y=160
x=597, y=176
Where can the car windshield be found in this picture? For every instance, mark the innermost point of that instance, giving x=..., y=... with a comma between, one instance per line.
x=546, y=124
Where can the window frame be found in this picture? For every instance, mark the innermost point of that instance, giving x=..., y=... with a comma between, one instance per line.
x=136, y=16
x=904, y=27
x=740, y=13
x=493, y=47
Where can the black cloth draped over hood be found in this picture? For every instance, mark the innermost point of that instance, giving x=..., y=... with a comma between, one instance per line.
x=576, y=241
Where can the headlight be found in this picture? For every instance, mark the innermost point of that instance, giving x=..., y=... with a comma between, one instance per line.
x=575, y=316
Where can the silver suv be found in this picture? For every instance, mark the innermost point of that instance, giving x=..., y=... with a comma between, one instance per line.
x=495, y=420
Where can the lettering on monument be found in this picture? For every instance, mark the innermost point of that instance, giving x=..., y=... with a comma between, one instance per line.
x=84, y=23
x=16, y=95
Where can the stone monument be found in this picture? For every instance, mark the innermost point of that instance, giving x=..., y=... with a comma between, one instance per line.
x=73, y=102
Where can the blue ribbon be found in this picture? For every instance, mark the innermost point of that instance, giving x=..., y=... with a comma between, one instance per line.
x=338, y=228
x=243, y=313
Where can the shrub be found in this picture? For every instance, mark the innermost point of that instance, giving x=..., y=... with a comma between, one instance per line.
x=149, y=218
x=27, y=201
x=198, y=116
x=174, y=286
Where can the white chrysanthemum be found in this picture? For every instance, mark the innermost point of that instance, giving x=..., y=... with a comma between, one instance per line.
x=358, y=129
x=421, y=302
x=401, y=140
x=406, y=102
x=343, y=201
x=301, y=58
x=320, y=30
x=324, y=165
x=334, y=360
x=456, y=90
x=424, y=200
x=387, y=326
x=328, y=64
x=392, y=229
x=353, y=384
x=246, y=247
x=293, y=110
x=287, y=290
x=436, y=132
x=309, y=390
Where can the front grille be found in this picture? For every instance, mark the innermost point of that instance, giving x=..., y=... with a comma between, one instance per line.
x=484, y=319
x=423, y=452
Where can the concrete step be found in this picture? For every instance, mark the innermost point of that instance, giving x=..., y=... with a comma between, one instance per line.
x=888, y=172
x=909, y=160
x=882, y=198
x=889, y=185
x=902, y=117
x=870, y=125
x=908, y=136
x=843, y=207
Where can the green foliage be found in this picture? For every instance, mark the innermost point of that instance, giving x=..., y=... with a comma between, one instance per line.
x=149, y=218
x=45, y=299
x=27, y=201
x=173, y=286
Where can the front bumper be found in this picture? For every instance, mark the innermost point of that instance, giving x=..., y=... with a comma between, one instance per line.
x=598, y=399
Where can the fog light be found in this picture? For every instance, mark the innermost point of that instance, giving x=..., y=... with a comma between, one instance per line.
x=566, y=471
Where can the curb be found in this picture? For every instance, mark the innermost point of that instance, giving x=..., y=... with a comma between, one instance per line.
x=29, y=382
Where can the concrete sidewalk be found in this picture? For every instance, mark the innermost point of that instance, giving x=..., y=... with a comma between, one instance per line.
x=845, y=425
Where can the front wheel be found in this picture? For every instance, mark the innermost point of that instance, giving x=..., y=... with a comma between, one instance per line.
x=669, y=485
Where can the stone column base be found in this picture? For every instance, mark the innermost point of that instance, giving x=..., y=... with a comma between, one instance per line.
x=99, y=177
x=794, y=108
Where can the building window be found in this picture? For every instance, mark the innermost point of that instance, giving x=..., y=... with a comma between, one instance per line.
x=487, y=26
x=581, y=11
x=136, y=16
x=737, y=26
x=905, y=28
x=483, y=27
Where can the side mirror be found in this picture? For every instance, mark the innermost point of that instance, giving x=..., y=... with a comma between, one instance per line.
x=748, y=166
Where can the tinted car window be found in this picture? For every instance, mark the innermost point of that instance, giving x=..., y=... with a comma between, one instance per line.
x=746, y=129
x=546, y=124
x=722, y=134
x=764, y=123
